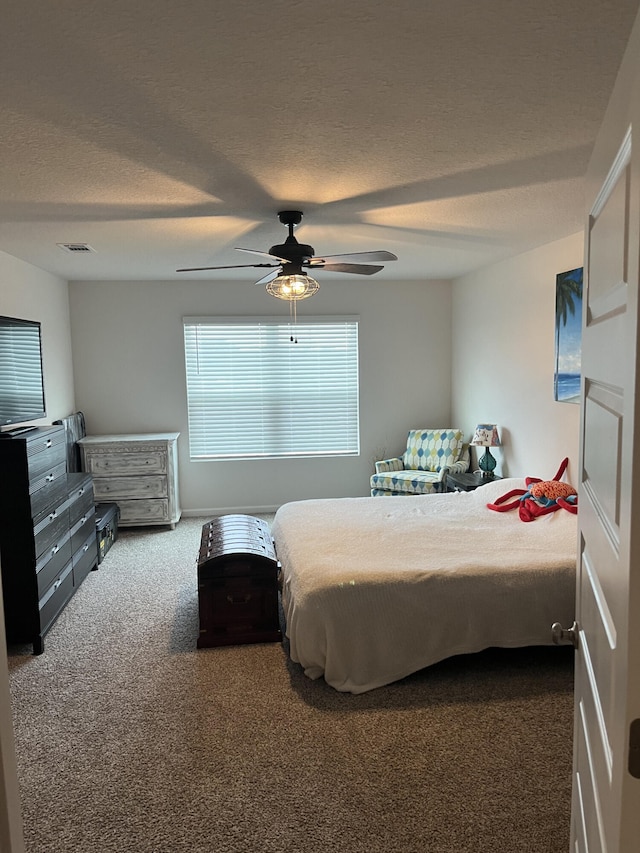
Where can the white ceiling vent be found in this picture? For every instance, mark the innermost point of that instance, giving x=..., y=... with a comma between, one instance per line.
x=75, y=247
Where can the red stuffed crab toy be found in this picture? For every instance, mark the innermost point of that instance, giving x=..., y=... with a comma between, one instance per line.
x=541, y=497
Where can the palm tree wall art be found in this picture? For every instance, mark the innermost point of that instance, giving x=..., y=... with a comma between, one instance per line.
x=566, y=381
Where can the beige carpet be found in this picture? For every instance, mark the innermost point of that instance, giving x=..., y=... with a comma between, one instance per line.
x=131, y=740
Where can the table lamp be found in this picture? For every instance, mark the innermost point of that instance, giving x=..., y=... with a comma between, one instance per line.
x=486, y=435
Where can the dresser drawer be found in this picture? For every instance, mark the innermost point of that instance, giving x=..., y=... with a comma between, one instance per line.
x=81, y=508
x=43, y=439
x=128, y=463
x=113, y=488
x=143, y=511
x=81, y=499
x=83, y=526
x=51, y=451
x=85, y=558
x=56, y=596
x=49, y=566
x=48, y=491
x=27, y=456
x=51, y=530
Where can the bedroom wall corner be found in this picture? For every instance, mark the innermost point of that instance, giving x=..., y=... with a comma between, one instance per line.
x=503, y=357
x=29, y=292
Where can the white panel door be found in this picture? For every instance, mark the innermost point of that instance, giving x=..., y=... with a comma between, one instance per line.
x=606, y=784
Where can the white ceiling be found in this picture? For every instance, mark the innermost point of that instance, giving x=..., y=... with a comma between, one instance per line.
x=450, y=132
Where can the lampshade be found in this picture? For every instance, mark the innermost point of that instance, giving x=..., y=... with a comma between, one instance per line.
x=293, y=287
x=486, y=435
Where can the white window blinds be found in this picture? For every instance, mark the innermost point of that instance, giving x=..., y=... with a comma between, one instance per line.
x=253, y=393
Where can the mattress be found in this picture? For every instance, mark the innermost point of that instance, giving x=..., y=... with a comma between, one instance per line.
x=374, y=589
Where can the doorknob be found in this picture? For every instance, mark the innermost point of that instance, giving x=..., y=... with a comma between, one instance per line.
x=565, y=635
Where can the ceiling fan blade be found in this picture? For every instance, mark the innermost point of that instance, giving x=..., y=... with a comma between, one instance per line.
x=358, y=257
x=232, y=267
x=358, y=269
x=269, y=277
x=300, y=255
x=262, y=254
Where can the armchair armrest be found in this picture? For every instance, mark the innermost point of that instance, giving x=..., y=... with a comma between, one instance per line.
x=387, y=465
x=462, y=465
x=459, y=467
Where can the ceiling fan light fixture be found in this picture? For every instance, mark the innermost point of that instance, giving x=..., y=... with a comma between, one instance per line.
x=291, y=288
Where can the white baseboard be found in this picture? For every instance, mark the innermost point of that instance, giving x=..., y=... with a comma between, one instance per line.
x=239, y=510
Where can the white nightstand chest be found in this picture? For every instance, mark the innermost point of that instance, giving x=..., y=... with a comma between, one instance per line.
x=138, y=472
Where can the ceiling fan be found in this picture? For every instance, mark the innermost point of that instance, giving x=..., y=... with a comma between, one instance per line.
x=287, y=278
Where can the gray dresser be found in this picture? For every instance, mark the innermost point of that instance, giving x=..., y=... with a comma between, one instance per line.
x=138, y=472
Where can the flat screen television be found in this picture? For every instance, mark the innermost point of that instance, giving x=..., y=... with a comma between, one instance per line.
x=21, y=378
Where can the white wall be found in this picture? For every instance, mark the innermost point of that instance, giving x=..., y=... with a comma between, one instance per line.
x=503, y=360
x=32, y=294
x=129, y=371
x=129, y=366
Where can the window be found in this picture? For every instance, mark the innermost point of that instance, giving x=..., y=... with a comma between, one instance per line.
x=254, y=393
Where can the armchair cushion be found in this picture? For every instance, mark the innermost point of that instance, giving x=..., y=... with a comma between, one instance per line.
x=432, y=449
x=405, y=483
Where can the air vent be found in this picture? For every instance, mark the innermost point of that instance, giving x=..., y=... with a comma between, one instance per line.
x=75, y=247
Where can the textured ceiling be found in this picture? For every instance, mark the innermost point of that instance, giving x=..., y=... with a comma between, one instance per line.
x=163, y=134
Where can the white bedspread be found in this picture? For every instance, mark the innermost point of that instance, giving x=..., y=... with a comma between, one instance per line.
x=377, y=588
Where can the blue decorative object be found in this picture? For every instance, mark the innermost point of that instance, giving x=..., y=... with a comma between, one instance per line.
x=487, y=464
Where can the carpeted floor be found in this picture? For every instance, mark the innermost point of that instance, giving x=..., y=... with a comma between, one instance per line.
x=131, y=740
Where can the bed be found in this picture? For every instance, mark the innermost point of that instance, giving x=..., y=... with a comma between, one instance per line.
x=374, y=589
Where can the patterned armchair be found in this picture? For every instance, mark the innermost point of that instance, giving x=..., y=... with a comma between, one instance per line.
x=421, y=469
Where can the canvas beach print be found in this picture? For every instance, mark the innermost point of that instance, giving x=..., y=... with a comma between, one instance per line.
x=566, y=383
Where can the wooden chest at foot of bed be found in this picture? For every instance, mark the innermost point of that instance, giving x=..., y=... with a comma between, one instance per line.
x=237, y=582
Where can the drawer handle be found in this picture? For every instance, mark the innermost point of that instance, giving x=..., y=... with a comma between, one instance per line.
x=49, y=478
x=57, y=584
x=48, y=443
x=55, y=550
x=239, y=599
x=52, y=516
x=86, y=547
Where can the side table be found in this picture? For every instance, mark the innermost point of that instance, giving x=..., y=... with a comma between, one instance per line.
x=465, y=482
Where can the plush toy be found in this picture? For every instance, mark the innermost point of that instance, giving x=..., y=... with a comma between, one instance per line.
x=540, y=497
